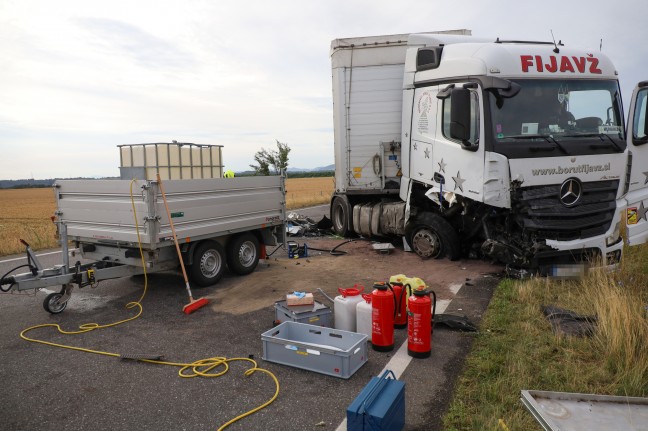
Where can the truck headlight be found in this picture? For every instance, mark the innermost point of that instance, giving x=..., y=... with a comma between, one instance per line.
x=615, y=237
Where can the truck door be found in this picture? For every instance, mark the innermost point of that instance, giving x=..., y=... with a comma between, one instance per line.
x=460, y=161
x=421, y=151
x=637, y=196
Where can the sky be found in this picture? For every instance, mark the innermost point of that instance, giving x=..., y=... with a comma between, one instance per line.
x=79, y=77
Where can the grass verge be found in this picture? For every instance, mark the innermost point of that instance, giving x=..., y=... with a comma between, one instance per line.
x=516, y=348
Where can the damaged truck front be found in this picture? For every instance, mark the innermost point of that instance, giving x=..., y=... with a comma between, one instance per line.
x=516, y=151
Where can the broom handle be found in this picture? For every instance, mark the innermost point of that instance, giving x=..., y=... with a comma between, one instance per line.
x=175, y=238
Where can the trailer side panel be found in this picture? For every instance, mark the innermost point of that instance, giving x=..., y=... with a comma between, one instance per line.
x=101, y=211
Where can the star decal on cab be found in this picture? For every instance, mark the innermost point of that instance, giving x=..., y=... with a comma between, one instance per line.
x=458, y=181
x=442, y=166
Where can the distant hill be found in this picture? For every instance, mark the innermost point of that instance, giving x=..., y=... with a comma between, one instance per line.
x=329, y=168
x=15, y=184
x=30, y=183
x=320, y=169
x=26, y=184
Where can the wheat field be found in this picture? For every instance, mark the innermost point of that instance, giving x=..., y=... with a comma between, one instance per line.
x=26, y=215
x=304, y=192
x=26, y=212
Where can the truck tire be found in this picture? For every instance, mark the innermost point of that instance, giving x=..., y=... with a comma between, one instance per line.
x=208, y=263
x=431, y=236
x=341, y=216
x=243, y=253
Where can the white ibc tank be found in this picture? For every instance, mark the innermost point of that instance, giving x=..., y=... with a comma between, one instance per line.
x=363, y=315
x=345, y=307
x=173, y=161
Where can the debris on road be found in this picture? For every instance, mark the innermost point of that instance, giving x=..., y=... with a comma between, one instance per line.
x=300, y=225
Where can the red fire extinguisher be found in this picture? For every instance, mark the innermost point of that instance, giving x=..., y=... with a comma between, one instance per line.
x=382, y=318
x=400, y=310
x=419, y=318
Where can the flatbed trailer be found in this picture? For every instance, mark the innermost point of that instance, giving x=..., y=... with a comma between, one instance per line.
x=219, y=222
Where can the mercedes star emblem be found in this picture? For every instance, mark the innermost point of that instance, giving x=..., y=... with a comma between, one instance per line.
x=570, y=192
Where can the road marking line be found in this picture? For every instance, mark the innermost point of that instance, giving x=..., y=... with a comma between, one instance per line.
x=454, y=288
x=399, y=362
x=21, y=258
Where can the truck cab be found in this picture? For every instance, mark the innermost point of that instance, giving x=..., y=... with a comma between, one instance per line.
x=512, y=150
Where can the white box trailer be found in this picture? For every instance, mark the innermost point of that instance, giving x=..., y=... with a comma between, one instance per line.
x=367, y=75
x=512, y=150
x=219, y=222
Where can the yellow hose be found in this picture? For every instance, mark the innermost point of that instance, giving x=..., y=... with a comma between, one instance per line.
x=200, y=368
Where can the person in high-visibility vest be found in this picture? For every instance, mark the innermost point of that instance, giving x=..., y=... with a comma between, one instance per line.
x=229, y=174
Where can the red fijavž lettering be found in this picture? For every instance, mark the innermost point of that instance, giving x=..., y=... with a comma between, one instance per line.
x=594, y=66
x=566, y=64
x=580, y=63
x=552, y=67
x=527, y=61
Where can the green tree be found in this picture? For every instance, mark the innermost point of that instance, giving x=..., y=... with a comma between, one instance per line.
x=275, y=159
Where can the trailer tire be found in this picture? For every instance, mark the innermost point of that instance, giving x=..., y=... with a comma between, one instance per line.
x=431, y=236
x=51, y=304
x=243, y=253
x=208, y=263
x=341, y=216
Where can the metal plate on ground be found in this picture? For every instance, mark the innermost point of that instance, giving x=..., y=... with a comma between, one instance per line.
x=383, y=247
x=563, y=411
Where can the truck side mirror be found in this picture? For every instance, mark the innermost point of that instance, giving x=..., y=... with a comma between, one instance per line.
x=460, y=115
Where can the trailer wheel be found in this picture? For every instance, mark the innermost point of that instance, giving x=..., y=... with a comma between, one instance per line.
x=431, y=236
x=243, y=253
x=52, y=304
x=208, y=263
x=341, y=216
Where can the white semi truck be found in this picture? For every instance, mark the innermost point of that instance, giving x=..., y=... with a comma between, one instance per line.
x=512, y=150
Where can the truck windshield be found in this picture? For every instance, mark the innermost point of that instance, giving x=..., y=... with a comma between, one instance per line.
x=560, y=112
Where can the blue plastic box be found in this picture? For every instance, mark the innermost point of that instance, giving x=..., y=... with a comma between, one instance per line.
x=379, y=407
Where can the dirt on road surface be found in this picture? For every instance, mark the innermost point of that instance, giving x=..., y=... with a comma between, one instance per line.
x=360, y=264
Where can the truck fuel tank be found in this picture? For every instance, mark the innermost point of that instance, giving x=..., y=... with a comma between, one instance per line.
x=379, y=218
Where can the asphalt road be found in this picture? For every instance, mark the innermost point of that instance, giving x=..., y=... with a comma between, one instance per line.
x=48, y=388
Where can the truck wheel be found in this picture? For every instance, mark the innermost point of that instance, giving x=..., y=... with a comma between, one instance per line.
x=52, y=304
x=208, y=263
x=431, y=236
x=341, y=216
x=243, y=253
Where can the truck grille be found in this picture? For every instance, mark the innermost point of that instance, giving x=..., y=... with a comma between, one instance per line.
x=541, y=212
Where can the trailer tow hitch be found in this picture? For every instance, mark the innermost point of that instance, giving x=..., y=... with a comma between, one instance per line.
x=32, y=262
x=7, y=280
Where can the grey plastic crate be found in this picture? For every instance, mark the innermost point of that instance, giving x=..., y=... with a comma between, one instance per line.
x=315, y=314
x=316, y=348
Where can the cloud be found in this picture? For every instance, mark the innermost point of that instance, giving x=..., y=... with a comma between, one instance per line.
x=81, y=77
x=119, y=39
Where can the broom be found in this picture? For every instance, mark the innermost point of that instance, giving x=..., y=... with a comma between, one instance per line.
x=194, y=304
